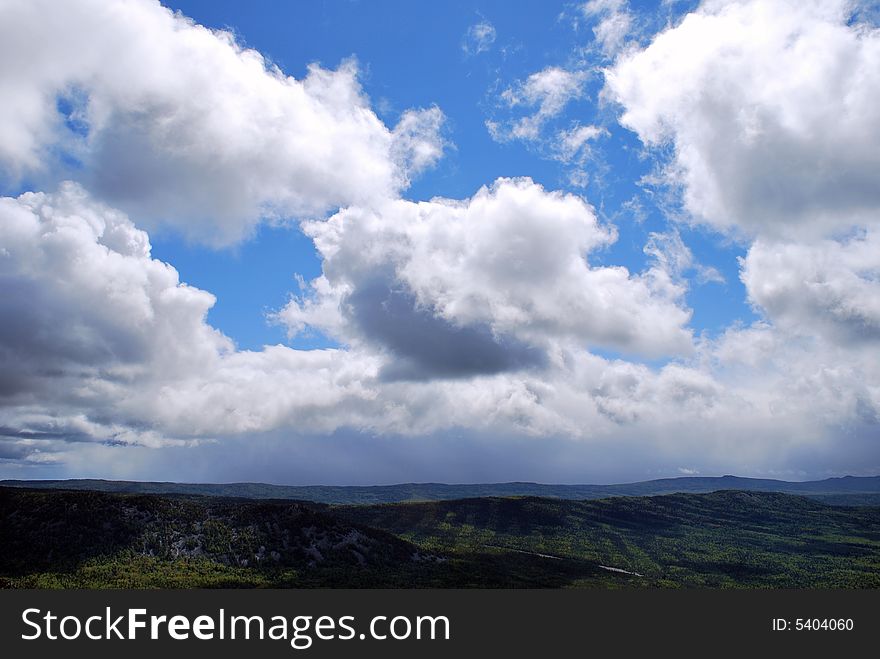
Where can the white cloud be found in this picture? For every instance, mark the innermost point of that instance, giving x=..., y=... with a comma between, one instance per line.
x=791, y=373
x=87, y=313
x=546, y=92
x=573, y=147
x=829, y=287
x=418, y=143
x=175, y=123
x=82, y=273
x=676, y=258
x=769, y=111
x=483, y=285
x=479, y=38
x=540, y=101
x=573, y=144
x=103, y=344
x=772, y=109
x=614, y=26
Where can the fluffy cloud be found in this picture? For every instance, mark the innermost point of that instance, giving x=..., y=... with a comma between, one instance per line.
x=176, y=123
x=795, y=374
x=101, y=341
x=772, y=109
x=89, y=317
x=104, y=347
x=485, y=285
x=83, y=297
x=771, y=113
x=832, y=287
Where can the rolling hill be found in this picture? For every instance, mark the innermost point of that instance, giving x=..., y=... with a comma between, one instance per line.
x=719, y=539
x=76, y=539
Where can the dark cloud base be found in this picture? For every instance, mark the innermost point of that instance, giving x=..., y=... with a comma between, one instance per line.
x=425, y=346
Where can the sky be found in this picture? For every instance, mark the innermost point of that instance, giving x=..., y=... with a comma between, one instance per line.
x=352, y=242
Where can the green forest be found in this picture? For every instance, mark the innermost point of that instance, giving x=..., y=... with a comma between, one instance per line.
x=53, y=538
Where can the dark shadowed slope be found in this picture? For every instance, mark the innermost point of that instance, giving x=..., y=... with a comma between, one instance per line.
x=77, y=539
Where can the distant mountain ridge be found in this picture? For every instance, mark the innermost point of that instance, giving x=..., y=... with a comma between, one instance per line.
x=847, y=490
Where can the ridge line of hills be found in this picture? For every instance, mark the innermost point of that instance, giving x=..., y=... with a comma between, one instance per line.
x=847, y=490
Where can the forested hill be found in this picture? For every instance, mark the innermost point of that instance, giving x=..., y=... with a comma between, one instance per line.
x=730, y=539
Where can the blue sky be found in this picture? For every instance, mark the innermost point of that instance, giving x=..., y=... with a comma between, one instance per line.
x=388, y=241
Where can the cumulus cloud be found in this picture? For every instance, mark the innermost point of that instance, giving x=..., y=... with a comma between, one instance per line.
x=769, y=112
x=772, y=112
x=832, y=287
x=483, y=285
x=479, y=38
x=175, y=123
x=102, y=342
x=545, y=94
x=81, y=294
x=105, y=348
x=87, y=316
x=787, y=373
